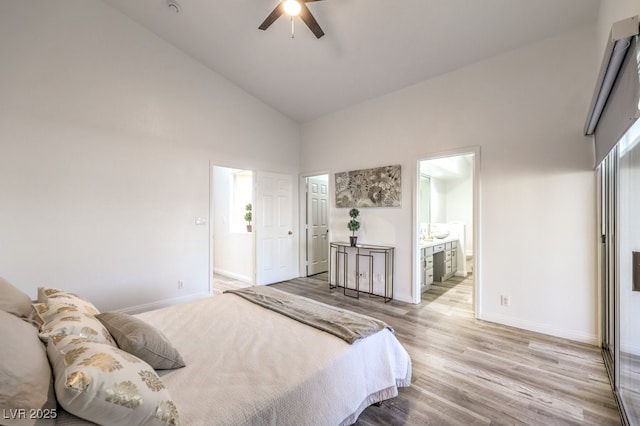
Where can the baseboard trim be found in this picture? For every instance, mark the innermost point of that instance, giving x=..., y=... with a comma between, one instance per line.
x=539, y=328
x=235, y=276
x=163, y=303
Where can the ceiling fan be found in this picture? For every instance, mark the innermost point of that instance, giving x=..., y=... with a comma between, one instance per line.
x=294, y=8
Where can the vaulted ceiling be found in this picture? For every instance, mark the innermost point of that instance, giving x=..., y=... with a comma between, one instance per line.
x=370, y=47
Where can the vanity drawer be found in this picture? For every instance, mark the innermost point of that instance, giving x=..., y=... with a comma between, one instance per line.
x=427, y=251
x=428, y=262
x=427, y=279
x=438, y=248
x=447, y=268
x=447, y=246
x=447, y=255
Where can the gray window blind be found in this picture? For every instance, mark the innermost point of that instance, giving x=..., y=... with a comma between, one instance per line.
x=621, y=109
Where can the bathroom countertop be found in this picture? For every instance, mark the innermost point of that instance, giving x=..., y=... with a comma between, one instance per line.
x=437, y=241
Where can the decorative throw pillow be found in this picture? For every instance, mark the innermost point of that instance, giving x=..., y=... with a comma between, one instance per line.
x=45, y=292
x=108, y=386
x=57, y=326
x=26, y=382
x=139, y=338
x=67, y=315
x=54, y=296
x=13, y=300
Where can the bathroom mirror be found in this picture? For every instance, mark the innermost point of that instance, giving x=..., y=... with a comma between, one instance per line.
x=425, y=197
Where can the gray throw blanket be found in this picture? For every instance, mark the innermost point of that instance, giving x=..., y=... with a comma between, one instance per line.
x=347, y=325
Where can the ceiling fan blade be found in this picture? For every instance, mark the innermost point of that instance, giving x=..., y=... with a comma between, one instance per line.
x=279, y=10
x=307, y=17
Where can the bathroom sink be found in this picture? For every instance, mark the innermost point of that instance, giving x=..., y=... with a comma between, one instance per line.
x=441, y=235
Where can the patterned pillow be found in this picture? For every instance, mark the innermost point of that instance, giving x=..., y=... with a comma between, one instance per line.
x=65, y=314
x=106, y=385
x=54, y=296
x=45, y=292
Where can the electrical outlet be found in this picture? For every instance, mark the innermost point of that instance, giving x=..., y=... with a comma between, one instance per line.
x=504, y=300
x=180, y=285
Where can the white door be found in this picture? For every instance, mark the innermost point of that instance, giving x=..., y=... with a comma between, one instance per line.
x=274, y=228
x=317, y=225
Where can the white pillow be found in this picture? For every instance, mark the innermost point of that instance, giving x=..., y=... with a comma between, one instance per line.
x=25, y=375
x=108, y=386
x=65, y=314
x=49, y=295
x=55, y=327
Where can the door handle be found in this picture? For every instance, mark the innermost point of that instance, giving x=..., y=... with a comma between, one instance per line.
x=290, y=232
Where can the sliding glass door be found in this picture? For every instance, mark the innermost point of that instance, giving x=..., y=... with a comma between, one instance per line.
x=629, y=271
x=607, y=195
x=620, y=270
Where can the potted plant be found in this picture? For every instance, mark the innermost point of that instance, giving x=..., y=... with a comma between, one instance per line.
x=248, y=216
x=353, y=226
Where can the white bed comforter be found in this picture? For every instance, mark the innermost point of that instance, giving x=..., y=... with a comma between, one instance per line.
x=246, y=365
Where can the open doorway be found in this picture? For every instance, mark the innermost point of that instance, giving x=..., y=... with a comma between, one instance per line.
x=315, y=214
x=233, y=243
x=446, y=225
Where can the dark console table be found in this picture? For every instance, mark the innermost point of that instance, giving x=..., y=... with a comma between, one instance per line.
x=363, y=268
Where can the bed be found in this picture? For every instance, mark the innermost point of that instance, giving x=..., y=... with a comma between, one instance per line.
x=249, y=365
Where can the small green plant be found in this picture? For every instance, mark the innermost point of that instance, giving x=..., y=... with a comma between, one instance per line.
x=248, y=216
x=353, y=224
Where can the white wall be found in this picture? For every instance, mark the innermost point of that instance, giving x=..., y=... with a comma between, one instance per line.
x=106, y=139
x=526, y=110
x=460, y=207
x=438, y=200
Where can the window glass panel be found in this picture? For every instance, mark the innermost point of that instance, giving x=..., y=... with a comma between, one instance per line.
x=629, y=299
x=241, y=196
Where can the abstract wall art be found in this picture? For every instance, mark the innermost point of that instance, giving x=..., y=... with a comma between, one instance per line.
x=377, y=187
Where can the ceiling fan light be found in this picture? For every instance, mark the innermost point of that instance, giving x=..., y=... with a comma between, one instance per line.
x=292, y=7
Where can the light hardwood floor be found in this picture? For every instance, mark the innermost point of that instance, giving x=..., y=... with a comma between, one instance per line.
x=471, y=372
x=222, y=283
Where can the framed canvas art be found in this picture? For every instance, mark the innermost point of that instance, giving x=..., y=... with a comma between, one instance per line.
x=377, y=187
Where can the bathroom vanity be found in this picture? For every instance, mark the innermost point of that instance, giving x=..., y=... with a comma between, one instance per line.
x=438, y=261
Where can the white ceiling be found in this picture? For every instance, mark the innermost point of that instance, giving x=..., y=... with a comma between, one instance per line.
x=371, y=47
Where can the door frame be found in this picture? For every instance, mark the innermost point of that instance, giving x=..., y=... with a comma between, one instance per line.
x=477, y=235
x=302, y=215
x=212, y=218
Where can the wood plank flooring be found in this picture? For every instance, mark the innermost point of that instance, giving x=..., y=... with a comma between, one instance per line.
x=471, y=372
x=223, y=283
